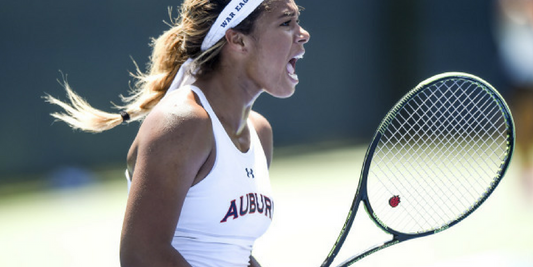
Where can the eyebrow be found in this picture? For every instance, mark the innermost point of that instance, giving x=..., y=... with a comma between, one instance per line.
x=289, y=13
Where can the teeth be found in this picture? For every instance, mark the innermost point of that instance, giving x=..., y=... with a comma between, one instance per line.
x=290, y=68
x=293, y=76
x=291, y=71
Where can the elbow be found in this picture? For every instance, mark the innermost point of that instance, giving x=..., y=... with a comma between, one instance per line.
x=134, y=254
x=129, y=257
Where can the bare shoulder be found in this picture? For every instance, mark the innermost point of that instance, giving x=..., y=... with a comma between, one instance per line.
x=176, y=124
x=172, y=145
x=264, y=131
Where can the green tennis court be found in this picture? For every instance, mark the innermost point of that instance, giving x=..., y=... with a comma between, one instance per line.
x=313, y=191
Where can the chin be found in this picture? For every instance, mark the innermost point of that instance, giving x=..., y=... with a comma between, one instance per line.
x=286, y=93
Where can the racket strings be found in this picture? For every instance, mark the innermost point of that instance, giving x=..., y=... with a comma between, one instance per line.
x=399, y=183
x=427, y=123
x=460, y=121
x=455, y=140
x=413, y=172
x=483, y=136
x=434, y=192
x=429, y=156
x=398, y=156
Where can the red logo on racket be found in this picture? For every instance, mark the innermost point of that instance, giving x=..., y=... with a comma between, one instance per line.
x=394, y=201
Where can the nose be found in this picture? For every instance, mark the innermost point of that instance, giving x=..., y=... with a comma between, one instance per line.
x=303, y=36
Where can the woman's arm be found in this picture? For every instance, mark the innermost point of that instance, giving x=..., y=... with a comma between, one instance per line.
x=171, y=148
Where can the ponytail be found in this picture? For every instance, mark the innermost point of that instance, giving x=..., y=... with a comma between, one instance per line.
x=82, y=116
x=149, y=88
x=169, y=51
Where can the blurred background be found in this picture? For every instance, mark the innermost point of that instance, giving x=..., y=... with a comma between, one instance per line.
x=62, y=192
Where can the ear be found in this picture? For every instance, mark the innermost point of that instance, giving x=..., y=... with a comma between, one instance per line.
x=236, y=41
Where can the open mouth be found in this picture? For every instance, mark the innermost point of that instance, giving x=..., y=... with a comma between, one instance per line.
x=291, y=67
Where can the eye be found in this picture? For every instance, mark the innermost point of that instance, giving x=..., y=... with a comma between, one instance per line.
x=286, y=23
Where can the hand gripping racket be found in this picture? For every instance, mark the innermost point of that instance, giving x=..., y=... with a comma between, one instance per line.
x=436, y=157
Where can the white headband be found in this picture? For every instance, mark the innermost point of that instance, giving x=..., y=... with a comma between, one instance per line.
x=233, y=14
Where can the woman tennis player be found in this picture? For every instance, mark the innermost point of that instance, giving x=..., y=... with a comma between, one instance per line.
x=198, y=168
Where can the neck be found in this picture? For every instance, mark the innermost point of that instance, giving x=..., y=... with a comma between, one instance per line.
x=230, y=97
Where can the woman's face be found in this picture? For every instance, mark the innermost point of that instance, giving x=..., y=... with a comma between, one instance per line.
x=277, y=42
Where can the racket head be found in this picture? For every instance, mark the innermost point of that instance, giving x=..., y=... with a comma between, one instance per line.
x=437, y=155
x=379, y=200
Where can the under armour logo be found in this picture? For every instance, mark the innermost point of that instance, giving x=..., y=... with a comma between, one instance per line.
x=250, y=173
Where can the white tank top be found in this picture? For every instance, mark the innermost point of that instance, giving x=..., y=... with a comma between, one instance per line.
x=229, y=209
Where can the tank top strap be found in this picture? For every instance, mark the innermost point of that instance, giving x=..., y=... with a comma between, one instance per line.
x=217, y=125
x=205, y=104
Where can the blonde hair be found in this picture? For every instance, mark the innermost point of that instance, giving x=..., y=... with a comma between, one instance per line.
x=170, y=50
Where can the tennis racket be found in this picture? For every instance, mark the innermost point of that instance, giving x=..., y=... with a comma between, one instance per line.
x=436, y=157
